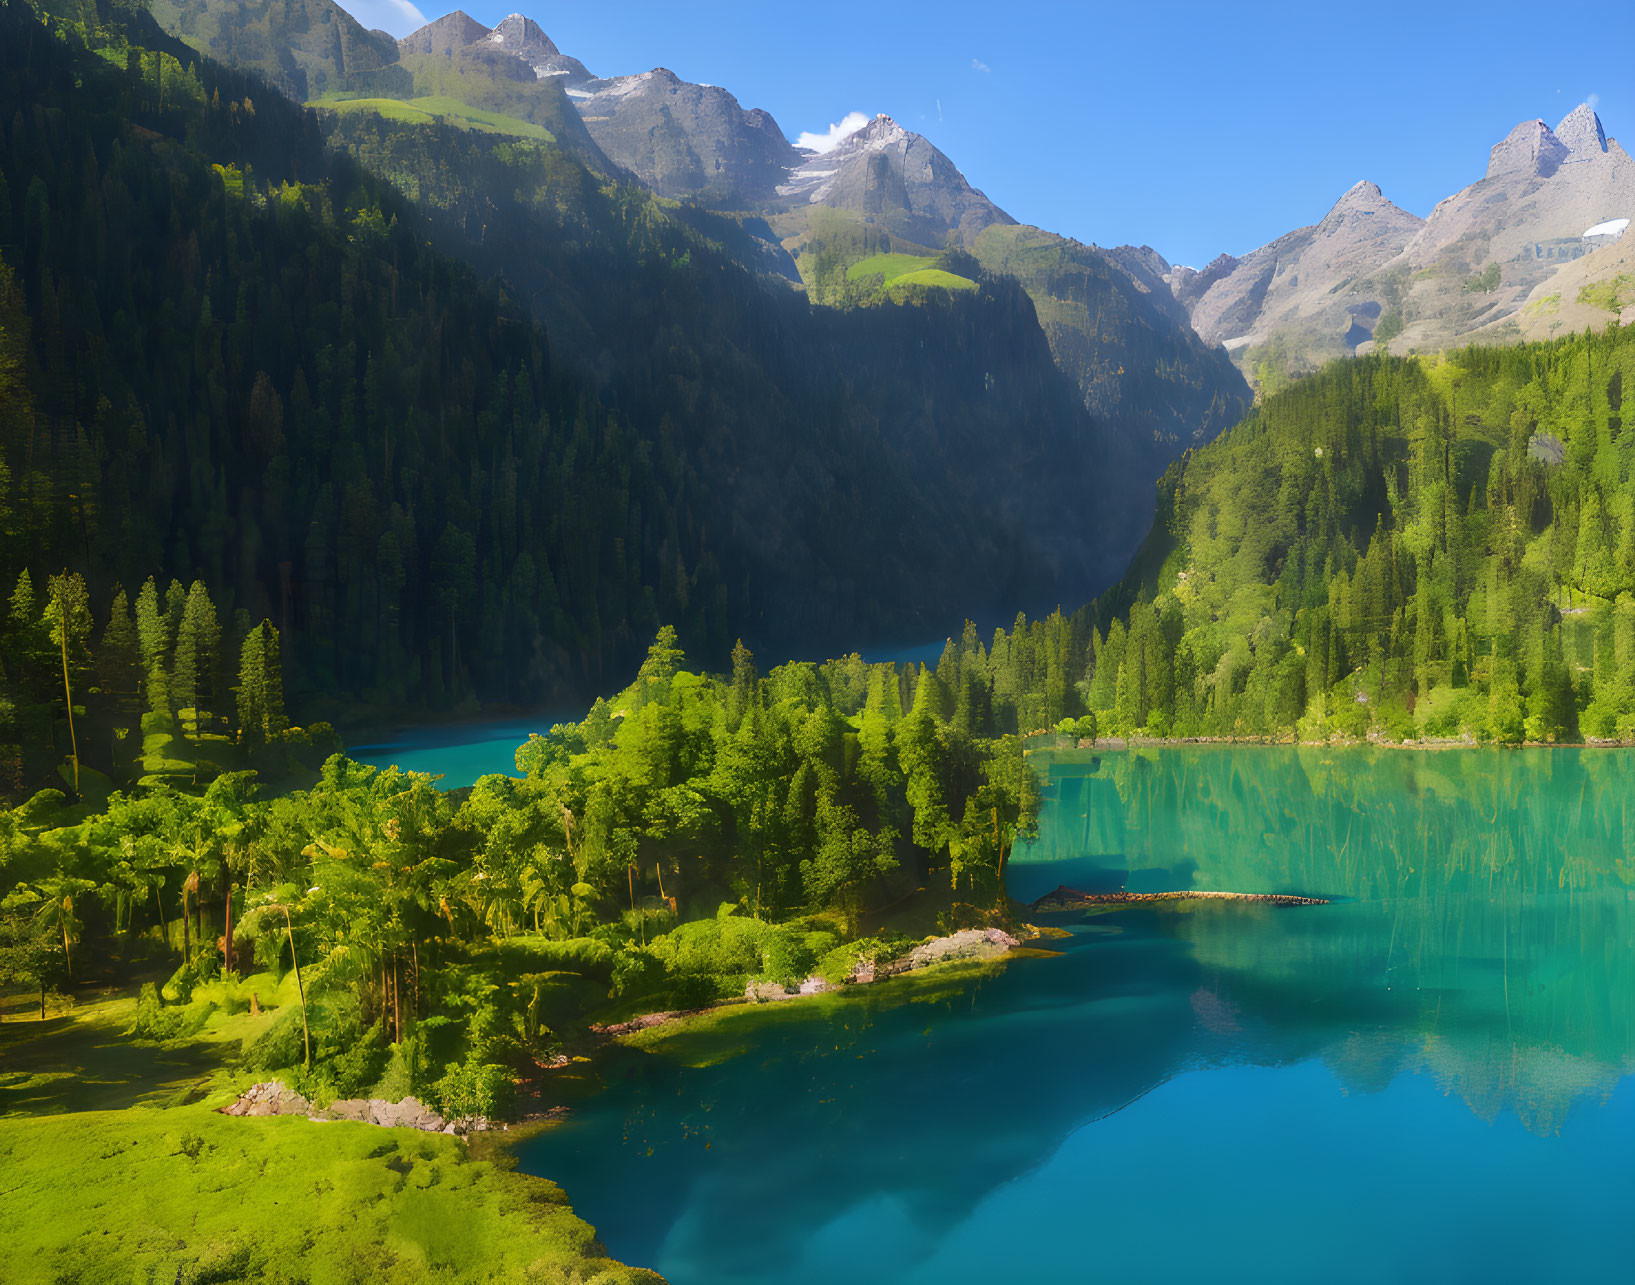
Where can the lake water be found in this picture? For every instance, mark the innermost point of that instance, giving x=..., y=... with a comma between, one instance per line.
x=460, y=752
x=1432, y=1079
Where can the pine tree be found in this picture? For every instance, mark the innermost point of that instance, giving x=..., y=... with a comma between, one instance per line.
x=881, y=711
x=745, y=685
x=252, y=688
x=175, y=605
x=272, y=699
x=23, y=606
x=153, y=640
x=260, y=689
x=119, y=658
x=197, y=639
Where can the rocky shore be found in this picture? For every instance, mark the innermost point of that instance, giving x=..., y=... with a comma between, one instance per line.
x=274, y=1098
x=968, y=944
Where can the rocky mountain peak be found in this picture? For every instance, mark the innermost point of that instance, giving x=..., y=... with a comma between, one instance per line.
x=1364, y=203
x=444, y=35
x=880, y=131
x=1531, y=147
x=522, y=35
x=1361, y=193
x=1580, y=131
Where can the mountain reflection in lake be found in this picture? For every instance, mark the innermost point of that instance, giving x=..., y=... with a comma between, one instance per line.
x=1427, y=1080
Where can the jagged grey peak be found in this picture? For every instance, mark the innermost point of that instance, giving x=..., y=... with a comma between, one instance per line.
x=1530, y=148
x=523, y=37
x=884, y=170
x=1580, y=131
x=1301, y=279
x=684, y=139
x=444, y=35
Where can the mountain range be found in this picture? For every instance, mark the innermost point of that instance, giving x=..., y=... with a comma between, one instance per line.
x=593, y=352
x=1488, y=262
x=1140, y=368
x=1369, y=272
x=468, y=411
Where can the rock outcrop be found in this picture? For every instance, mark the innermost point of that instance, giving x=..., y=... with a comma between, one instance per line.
x=686, y=140
x=273, y=1097
x=1530, y=148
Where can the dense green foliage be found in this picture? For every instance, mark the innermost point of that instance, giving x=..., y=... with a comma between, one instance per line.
x=239, y=362
x=692, y=836
x=829, y=449
x=166, y=692
x=1399, y=547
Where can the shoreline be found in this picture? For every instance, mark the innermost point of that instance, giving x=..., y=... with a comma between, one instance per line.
x=969, y=946
x=1113, y=744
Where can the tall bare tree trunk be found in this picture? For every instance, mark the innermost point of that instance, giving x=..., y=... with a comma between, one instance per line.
x=67, y=692
x=295, y=961
x=227, y=934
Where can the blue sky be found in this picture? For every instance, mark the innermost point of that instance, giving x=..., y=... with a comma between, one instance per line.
x=1192, y=128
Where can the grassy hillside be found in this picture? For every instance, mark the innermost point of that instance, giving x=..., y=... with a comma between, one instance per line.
x=119, y=1167
x=434, y=110
x=1399, y=547
x=497, y=82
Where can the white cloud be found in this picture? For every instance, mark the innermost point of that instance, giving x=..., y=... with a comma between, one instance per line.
x=978, y=65
x=1593, y=101
x=399, y=17
x=826, y=142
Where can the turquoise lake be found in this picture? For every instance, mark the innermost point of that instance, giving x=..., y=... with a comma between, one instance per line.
x=459, y=752
x=1430, y=1079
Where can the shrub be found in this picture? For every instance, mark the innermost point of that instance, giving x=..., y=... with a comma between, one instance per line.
x=637, y=971
x=280, y=1045
x=405, y=1073
x=358, y=1067
x=695, y=990
x=472, y=1088
x=153, y=1020
x=584, y=955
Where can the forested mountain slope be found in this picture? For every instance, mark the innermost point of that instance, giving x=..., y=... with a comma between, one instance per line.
x=1141, y=369
x=245, y=362
x=1398, y=546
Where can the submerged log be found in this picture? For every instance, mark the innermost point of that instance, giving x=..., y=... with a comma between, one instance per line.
x=1065, y=898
